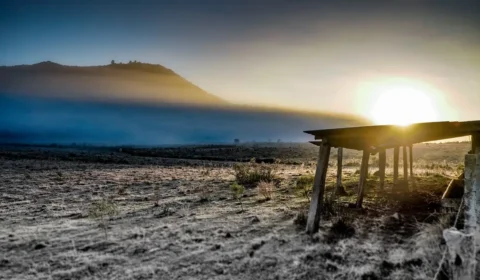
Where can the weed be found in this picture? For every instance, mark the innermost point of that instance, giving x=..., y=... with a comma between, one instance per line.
x=266, y=189
x=300, y=219
x=305, y=183
x=252, y=173
x=237, y=191
x=122, y=190
x=156, y=195
x=342, y=228
x=204, y=193
x=99, y=210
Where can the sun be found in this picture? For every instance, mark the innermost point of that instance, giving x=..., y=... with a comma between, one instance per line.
x=402, y=104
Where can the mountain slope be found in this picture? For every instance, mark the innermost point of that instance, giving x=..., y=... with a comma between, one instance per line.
x=132, y=81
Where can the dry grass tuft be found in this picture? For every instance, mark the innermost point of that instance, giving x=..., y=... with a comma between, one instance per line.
x=100, y=210
x=237, y=191
x=305, y=184
x=266, y=189
x=252, y=173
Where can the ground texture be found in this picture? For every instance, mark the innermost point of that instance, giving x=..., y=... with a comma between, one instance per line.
x=177, y=219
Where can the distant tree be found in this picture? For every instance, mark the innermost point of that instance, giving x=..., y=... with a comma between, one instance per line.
x=129, y=62
x=112, y=62
x=236, y=141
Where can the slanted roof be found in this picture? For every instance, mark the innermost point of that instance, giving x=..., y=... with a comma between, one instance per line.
x=389, y=136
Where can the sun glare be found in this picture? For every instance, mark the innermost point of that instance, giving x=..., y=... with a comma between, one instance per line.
x=398, y=101
x=403, y=105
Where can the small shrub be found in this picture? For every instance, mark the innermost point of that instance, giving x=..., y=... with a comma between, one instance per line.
x=156, y=195
x=305, y=184
x=204, y=193
x=99, y=210
x=122, y=190
x=301, y=219
x=266, y=189
x=237, y=191
x=341, y=229
x=252, y=173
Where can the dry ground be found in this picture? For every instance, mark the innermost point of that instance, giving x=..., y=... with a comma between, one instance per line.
x=176, y=219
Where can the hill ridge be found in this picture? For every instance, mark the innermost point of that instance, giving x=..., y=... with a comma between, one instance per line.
x=133, y=80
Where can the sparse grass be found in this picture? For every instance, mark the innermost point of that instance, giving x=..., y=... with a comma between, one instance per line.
x=341, y=228
x=252, y=173
x=205, y=192
x=301, y=218
x=305, y=184
x=266, y=189
x=102, y=209
x=122, y=190
x=237, y=191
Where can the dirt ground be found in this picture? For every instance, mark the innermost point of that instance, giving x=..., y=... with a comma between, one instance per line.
x=177, y=219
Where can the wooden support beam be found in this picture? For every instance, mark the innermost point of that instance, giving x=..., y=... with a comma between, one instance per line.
x=382, y=158
x=475, y=143
x=396, y=153
x=410, y=153
x=472, y=165
x=339, y=189
x=405, y=163
x=316, y=203
x=363, y=177
x=461, y=245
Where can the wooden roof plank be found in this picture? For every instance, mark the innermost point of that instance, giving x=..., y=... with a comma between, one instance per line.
x=388, y=136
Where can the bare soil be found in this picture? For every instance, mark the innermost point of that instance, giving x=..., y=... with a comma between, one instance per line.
x=177, y=219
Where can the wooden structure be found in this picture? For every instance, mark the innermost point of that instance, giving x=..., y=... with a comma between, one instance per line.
x=376, y=139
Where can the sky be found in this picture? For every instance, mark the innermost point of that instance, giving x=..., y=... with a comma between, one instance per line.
x=311, y=55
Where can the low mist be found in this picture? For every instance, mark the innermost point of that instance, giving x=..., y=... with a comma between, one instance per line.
x=40, y=120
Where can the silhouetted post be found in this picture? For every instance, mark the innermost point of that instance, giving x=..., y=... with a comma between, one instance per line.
x=382, y=162
x=475, y=143
x=313, y=219
x=461, y=245
x=339, y=190
x=405, y=164
x=363, y=177
x=410, y=153
x=471, y=179
x=396, y=153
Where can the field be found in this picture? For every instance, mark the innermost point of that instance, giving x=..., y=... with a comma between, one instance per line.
x=171, y=213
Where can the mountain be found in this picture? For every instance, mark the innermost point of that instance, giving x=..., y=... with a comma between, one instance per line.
x=133, y=81
x=52, y=103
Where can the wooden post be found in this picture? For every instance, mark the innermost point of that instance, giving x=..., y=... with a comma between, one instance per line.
x=461, y=254
x=363, y=177
x=472, y=166
x=382, y=160
x=396, y=152
x=313, y=219
x=461, y=245
x=410, y=153
x=476, y=190
x=339, y=190
x=475, y=143
x=405, y=164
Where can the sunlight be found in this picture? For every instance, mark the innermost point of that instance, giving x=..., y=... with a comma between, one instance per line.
x=399, y=101
x=403, y=105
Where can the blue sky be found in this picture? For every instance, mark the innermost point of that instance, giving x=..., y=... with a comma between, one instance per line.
x=303, y=54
